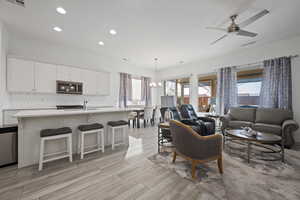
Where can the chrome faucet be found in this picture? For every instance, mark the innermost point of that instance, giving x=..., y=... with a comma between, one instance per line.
x=85, y=102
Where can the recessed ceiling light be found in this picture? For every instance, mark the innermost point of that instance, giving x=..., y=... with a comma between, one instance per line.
x=101, y=43
x=61, y=10
x=113, y=32
x=56, y=28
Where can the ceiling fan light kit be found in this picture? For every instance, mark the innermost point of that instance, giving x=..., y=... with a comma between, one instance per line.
x=235, y=28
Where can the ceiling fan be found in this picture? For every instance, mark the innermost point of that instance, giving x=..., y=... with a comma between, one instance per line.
x=235, y=28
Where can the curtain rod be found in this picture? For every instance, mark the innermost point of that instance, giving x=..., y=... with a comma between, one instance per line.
x=260, y=62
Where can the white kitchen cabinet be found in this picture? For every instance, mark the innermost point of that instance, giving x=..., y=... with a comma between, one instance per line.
x=37, y=77
x=76, y=75
x=20, y=75
x=89, y=82
x=103, y=83
x=45, y=78
x=63, y=73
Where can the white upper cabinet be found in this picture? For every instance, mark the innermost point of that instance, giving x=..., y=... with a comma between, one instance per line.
x=73, y=74
x=20, y=75
x=45, y=78
x=30, y=76
x=103, y=83
x=76, y=75
x=89, y=82
x=63, y=73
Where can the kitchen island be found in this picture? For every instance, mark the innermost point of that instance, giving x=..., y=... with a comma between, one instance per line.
x=30, y=123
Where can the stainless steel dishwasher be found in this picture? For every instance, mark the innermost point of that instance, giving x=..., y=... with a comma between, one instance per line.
x=8, y=145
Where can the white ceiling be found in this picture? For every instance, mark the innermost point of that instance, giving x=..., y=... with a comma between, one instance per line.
x=172, y=30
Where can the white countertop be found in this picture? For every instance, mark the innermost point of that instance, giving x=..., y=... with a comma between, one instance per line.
x=45, y=113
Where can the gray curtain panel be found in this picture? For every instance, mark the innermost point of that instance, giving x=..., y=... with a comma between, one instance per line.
x=276, y=90
x=125, y=91
x=146, y=91
x=226, y=89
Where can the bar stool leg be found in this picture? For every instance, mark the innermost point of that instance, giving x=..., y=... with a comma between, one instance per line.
x=82, y=146
x=98, y=139
x=113, y=138
x=78, y=142
x=124, y=134
x=41, y=154
x=102, y=140
x=70, y=147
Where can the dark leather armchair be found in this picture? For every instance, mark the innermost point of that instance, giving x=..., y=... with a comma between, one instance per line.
x=165, y=134
x=188, y=113
x=175, y=113
x=194, y=147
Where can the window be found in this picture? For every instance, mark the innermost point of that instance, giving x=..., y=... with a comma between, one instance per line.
x=204, y=95
x=170, y=88
x=248, y=91
x=136, y=89
x=136, y=92
x=179, y=88
x=204, y=89
x=186, y=93
x=249, y=85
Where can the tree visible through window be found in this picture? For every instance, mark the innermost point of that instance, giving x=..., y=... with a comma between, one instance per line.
x=204, y=95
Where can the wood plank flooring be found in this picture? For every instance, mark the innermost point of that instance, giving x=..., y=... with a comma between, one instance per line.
x=124, y=173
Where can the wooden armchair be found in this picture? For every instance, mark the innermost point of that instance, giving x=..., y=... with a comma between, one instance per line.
x=194, y=147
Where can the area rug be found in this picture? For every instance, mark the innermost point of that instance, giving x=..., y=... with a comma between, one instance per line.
x=241, y=180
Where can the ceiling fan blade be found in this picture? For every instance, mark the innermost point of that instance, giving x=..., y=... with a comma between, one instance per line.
x=248, y=44
x=253, y=18
x=217, y=28
x=214, y=42
x=246, y=33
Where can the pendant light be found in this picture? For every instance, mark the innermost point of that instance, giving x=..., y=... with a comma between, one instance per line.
x=154, y=84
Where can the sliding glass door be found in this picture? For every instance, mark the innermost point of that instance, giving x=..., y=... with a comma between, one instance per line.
x=179, y=88
x=207, y=93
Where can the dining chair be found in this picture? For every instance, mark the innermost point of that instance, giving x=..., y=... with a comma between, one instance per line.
x=148, y=114
x=132, y=117
x=156, y=115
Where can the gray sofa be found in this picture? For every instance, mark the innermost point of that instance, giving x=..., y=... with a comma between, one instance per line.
x=269, y=120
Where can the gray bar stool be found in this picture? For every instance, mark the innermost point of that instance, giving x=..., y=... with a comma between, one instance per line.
x=54, y=134
x=113, y=126
x=90, y=129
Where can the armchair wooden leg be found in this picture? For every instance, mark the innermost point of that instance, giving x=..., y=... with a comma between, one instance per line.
x=194, y=169
x=174, y=156
x=220, y=164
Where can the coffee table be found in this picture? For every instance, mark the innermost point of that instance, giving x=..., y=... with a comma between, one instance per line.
x=261, y=140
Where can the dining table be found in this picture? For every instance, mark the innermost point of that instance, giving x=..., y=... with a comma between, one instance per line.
x=139, y=111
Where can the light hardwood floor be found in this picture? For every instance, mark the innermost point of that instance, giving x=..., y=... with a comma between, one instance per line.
x=124, y=173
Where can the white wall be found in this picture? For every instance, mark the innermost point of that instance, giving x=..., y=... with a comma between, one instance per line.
x=244, y=56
